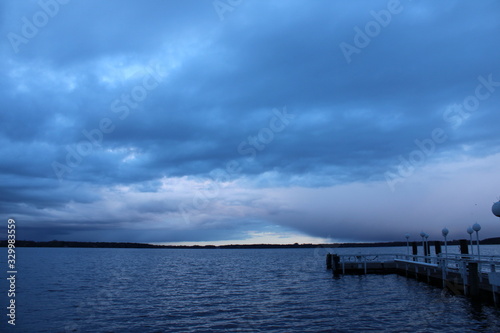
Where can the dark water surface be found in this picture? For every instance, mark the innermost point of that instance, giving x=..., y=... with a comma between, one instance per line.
x=222, y=290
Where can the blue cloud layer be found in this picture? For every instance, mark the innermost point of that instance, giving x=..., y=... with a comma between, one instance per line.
x=103, y=102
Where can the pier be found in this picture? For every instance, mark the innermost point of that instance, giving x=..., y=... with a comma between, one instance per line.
x=469, y=275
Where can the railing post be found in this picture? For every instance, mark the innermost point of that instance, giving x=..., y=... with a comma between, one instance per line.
x=463, y=272
x=443, y=272
x=480, y=274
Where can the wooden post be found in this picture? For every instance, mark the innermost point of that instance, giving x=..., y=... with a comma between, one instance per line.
x=474, y=291
x=437, y=247
x=328, y=261
x=414, y=249
x=427, y=251
x=464, y=247
x=335, y=264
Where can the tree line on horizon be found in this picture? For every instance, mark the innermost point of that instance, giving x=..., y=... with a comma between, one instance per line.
x=57, y=243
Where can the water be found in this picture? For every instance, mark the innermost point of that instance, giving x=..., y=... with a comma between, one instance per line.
x=247, y=290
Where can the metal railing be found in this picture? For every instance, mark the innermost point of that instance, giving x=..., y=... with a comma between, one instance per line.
x=487, y=266
x=363, y=259
x=450, y=262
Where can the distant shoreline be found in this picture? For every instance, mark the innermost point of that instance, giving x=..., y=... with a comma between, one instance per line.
x=125, y=245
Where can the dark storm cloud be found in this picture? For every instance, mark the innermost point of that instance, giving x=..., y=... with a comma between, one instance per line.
x=213, y=85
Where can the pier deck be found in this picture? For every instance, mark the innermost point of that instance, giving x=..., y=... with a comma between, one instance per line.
x=468, y=275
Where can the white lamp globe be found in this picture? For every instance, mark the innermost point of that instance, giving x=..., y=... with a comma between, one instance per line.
x=476, y=227
x=496, y=209
x=445, y=232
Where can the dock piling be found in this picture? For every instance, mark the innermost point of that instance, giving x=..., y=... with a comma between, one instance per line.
x=335, y=264
x=437, y=247
x=464, y=247
x=473, y=278
x=414, y=246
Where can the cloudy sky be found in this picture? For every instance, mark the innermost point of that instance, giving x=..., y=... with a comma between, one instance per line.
x=238, y=121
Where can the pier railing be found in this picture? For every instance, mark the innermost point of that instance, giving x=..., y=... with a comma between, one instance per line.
x=362, y=260
x=477, y=275
x=456, y=262
x=486, y=264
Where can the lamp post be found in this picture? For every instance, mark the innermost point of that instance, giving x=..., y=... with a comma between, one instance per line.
x=427, y=249
x=445, y=232
x=422, y=234
x=470, y=231
x=407, y=236
x=476, y=227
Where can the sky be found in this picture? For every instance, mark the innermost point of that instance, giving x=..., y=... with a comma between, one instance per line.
x=237, y=121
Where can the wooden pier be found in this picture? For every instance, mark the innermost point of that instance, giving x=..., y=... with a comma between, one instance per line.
x=473, y=276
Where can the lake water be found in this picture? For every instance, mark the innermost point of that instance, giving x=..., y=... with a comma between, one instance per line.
x=225, y=290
